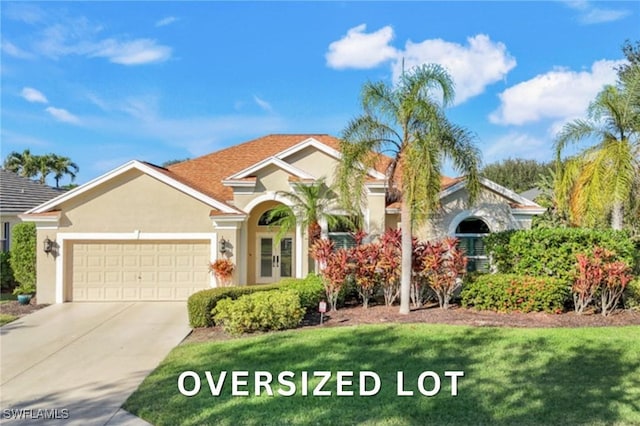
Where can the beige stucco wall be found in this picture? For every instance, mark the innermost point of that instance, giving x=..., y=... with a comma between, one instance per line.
x=314, y=162
x=130, y=202
x=493, y=208
x=135, y=201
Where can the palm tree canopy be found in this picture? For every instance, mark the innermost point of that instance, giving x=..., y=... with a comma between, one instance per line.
x=407, y=123
x=601, y=178
x=308, y=205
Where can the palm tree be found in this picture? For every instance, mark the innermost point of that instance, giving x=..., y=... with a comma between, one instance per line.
x=407, y=121
x=62, y=166
x=608, y=172
x=25, y=164
x=310, y=204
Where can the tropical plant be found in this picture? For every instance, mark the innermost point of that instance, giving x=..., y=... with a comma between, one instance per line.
x=62, y=166
x=28, y=165
x=406, y=120
x=443, y=266
x=25, y=164
x=602, y=179
x=223, y=270
x=309, y=204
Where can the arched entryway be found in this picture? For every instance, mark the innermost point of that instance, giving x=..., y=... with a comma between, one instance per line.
x=470, y=232
x=269, y=260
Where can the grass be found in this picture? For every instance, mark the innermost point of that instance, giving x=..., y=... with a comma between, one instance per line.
x=6, y=319
x=588, y=376
x=7, y=297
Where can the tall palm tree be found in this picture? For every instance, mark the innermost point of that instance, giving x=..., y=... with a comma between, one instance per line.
x=609, y=170
x=310, y=204
x=25, y=164
x=61, y=166
x=408, y=122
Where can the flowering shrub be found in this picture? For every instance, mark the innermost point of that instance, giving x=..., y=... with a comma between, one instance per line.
x=598, y=272
x=223, y=270
x=510, y=292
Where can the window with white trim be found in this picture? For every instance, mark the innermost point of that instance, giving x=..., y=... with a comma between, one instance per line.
x=470, y=232
x=341, y=234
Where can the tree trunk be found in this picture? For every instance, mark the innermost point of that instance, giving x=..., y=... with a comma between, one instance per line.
x=617, y=216
x=405, y=271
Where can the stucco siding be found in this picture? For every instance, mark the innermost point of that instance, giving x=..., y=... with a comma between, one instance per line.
x=135, y=201
x=314, y=162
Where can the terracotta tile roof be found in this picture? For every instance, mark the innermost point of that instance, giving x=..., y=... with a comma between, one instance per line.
x=207, y=172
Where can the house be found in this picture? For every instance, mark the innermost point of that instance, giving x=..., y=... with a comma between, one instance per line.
x=143, y=232
x=17, y=195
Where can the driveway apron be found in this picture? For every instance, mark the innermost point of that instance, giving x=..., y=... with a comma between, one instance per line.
x=79, y=362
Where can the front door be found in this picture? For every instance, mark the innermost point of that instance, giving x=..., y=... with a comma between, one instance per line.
x=275, y=261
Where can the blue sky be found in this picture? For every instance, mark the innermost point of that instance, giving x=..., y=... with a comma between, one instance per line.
x=107, y=82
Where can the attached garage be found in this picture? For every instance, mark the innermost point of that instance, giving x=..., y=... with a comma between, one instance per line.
x=136, y=270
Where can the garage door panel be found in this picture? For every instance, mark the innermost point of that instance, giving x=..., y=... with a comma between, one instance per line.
x=138, y=270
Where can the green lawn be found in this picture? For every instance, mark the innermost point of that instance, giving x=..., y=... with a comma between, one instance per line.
x=512, y=376
x=6, y=318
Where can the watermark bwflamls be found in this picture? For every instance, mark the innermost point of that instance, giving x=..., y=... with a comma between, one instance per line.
x=35, y=414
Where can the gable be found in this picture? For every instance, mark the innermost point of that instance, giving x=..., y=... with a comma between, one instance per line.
x=134, y=201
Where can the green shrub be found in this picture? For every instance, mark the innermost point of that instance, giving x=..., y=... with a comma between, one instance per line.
x=262, y=311
x=23, y=254
x=7, y=281
x=552, y=252
x=509, y=292
x=310, y=290
x=200, y=304
x=631, y=295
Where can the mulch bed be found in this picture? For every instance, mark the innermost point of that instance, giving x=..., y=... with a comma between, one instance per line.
x=455, y=315
x=12, y=307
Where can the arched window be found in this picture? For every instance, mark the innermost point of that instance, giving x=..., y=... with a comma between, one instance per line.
x=470, y=232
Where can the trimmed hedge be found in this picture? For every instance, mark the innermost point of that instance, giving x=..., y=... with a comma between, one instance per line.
x=551, y=252
x=23, y=255
x=310, y=290
x=509, y=292
x=7, y=282
x=262, y=311
x=631, y=295
x=201, y=303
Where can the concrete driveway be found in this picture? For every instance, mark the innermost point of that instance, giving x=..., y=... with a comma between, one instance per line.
x=85, y=358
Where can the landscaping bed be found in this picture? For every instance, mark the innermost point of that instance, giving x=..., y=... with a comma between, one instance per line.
x=455, y=315
x=11, y=310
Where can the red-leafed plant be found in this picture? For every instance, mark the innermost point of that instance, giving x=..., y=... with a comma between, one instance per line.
x=363, y=265
x=617, y=276
x=444, y=264
x=388, y=267
x=597, y=272
x=320, y=252
x=334, y=276
x=223, y=270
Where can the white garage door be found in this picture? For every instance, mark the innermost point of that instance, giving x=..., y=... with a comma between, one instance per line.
x=108, y=271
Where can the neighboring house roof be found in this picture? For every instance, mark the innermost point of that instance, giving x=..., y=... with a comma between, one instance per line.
x=19, y=194
x=531, y=194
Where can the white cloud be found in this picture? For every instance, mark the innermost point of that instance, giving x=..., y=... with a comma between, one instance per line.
x=472, y=67
x=32, y=95
x=589, y=14
x=557, y=94
x=263, y=104
x=517, y=145
x=63, y=115
x=13, y=50
x=358, y=49
x=136, y=52
x=166, y=21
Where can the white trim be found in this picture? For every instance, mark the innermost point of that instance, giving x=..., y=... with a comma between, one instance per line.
x=299, y=250
x=507, y=193
x=148, y=170
x=125, y=236
x=228, y=222
x=270, y=161
x=268, y=196
x=237, y=183
x=527, y=212
x=479, y=213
